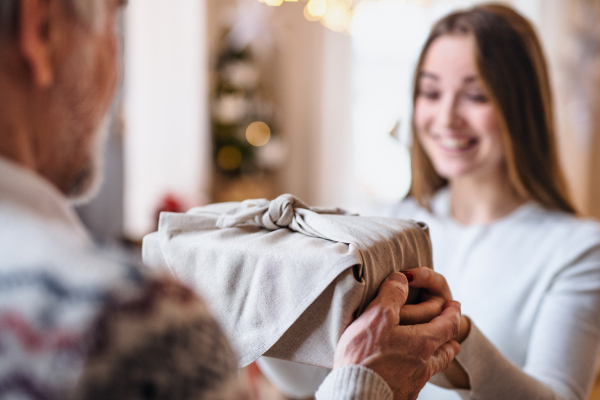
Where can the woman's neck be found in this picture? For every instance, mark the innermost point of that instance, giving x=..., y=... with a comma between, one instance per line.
x=482, y=200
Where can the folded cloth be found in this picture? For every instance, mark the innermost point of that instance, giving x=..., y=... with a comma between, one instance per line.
x=285, y=279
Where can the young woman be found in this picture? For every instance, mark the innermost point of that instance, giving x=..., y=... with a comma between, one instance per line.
x=486, y=180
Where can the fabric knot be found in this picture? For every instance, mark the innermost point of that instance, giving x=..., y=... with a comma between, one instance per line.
x=282, y=210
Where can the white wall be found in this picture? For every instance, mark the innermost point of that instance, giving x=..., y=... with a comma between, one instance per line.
x=167, y=138
x=297, y=84
x=312, y=89
x=334, y=181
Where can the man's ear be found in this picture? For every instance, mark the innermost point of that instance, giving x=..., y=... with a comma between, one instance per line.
x=34, y=40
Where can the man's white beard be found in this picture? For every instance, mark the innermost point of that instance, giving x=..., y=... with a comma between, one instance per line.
x=89, y=181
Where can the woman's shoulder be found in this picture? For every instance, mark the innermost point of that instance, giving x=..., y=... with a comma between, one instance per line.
x=565, y=229
x=562, y=221
x=568, y=246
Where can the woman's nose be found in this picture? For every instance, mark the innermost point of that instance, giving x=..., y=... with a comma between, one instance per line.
x=448, y=116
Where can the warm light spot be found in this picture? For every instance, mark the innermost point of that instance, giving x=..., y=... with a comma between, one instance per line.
x=274, y=2
x=258, y=134
x=308, y=16
x=229, y=158
x=338, y=16
x=293, y=1
x=316, y=8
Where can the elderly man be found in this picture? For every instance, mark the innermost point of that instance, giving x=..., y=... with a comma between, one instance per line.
x=77, y=323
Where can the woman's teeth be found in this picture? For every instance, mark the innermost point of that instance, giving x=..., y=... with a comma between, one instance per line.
x=455, y=144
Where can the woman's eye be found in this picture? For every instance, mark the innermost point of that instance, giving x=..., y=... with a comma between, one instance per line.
x=429, y=94
x=477, y=97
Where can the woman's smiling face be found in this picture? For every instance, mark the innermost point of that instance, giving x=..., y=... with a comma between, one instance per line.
x=456, y=121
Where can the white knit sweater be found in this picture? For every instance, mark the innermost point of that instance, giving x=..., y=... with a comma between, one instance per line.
x=530, y=283
x=354, y=382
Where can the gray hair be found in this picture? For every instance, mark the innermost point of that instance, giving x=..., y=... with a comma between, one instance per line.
x=87, y=11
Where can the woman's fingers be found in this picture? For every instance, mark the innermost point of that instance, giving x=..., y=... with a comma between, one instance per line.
x=429, y=280
x=421, y=313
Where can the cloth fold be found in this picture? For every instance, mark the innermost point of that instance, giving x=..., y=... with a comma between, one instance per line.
x=285, y=279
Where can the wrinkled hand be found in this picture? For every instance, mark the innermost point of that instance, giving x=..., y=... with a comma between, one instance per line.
x=404, y=356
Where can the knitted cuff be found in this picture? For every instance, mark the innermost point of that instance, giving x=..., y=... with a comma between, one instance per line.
x=354, y=382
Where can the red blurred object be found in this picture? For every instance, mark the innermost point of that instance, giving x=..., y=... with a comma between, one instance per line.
x=169, y=203
x=254, y=379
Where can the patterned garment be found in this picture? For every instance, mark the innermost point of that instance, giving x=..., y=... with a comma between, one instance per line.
x=76, y=323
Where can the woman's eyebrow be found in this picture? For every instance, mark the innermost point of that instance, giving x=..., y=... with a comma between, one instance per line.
x=425, y=74
x=471, y=79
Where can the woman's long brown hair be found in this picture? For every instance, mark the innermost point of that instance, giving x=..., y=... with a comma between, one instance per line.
x=513, y=69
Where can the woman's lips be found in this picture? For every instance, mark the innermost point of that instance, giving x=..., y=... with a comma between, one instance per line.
x=456, y=144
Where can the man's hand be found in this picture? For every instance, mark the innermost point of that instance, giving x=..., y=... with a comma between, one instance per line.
x=404, y=356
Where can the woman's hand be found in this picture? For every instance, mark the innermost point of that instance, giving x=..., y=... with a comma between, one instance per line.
x=434, y=294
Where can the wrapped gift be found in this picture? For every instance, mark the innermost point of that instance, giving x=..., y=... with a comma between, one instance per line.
x=283, y=279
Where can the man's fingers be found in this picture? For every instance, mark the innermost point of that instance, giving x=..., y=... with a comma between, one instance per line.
x=443, y=356
x=421, y=313
x=429, y=280
x=391, y=297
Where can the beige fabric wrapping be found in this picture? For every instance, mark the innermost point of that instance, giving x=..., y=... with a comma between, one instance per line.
x=284, y=279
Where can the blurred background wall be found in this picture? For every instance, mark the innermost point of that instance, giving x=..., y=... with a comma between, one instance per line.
x=332, y=95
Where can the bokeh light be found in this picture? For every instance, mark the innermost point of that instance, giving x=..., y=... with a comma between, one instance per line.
x=258, y=134
x=274, y=2
x=316, y=8
x=338, y=16
x=308, y=16
x=229, y=158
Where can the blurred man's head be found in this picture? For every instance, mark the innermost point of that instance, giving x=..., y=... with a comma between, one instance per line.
x=58, y=73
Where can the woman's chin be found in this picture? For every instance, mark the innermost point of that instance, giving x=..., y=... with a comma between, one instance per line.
x=454, y=172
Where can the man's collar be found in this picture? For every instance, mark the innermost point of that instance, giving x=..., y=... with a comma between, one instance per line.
x=30, y=192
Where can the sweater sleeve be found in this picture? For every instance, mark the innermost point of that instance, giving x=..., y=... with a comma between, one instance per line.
x=162, y=344
x=563, y=347
x=354, y=382
x=492, y=376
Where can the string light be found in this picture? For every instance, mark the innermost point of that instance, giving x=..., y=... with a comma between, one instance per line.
x=309, y=16
x=276, y=3
x=336, y=15
x=316, y=8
